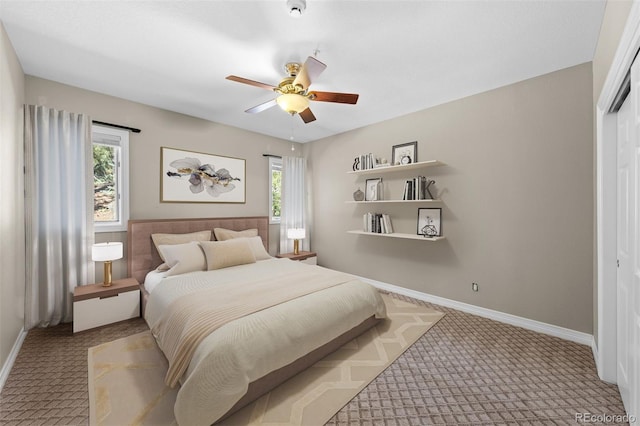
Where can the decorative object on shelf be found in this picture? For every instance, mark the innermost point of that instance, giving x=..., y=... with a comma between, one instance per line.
x=430, y=222
x=296, y=234
x=381, y=162
x=356, y=164
x=428, y=195
x=106, y=252
x=373, y=189
x=358, y=195
x=195, y=177
x=405, y=153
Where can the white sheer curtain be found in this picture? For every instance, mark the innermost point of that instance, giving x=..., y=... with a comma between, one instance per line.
x=59, y=212
x=293, y=202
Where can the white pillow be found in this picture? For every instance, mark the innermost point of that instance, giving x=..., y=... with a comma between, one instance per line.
x=183, y=258
x=223, y=234
x=167, y=239
x=257, y=247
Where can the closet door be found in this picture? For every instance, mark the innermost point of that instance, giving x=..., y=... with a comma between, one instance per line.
x=624, y=289
x=634, y=198
x=628, y=230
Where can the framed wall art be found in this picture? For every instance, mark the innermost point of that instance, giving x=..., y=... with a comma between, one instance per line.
x=373, y=190
x=430, y=222
x=405, y=153
x=196, y=177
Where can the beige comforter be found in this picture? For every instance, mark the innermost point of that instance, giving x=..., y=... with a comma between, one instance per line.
x=237, y=353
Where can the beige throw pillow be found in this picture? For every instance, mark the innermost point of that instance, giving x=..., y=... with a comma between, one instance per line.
x=257, y=247
x=222, y=254
x=169, y=239
x=183, y=258
x=227, y=234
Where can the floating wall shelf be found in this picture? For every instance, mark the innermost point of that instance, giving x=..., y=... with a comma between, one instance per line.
x=394, y=201
x=392, y=169
x=399, y=168
x=398, y=235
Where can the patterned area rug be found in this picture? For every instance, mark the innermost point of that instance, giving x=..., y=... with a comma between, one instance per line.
x=126, y=376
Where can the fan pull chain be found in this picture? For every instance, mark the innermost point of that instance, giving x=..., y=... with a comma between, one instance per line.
x=291, y=138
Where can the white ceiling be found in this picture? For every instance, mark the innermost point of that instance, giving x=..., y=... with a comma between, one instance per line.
x=400, y=56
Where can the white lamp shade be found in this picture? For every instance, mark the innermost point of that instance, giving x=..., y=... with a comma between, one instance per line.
x=296, y=233
x=102, y=252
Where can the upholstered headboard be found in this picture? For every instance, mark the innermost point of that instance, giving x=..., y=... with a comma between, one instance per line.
x=142, y=254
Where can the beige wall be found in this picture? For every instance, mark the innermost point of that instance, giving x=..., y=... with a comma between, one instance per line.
x=164, y=128
x=613, y=23
x=517, y=200
x=12, y=255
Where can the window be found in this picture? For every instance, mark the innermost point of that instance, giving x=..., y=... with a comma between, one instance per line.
x=275, y=185
x=110, y=179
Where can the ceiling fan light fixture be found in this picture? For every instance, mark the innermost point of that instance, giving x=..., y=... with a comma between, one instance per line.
x=296, y=7
x=292, y=103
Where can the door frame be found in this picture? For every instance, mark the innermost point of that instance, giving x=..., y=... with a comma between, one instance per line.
x=604, y=350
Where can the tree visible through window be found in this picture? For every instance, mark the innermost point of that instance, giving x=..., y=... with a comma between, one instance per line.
x=110, y=174
x=105, y=206
x=275, y=180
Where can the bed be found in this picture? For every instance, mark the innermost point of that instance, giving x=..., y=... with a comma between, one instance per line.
x=281, y=315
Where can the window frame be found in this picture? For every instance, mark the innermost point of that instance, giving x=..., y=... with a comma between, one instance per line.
x=122, y=171
x=275, y=163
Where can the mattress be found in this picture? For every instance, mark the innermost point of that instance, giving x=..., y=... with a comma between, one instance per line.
x=241, y=352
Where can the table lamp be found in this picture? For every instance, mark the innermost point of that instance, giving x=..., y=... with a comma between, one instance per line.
x=296, y=234
x=106, y=252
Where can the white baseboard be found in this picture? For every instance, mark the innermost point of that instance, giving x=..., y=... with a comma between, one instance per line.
x=529, y=324
x=8, y=364
x=596, y=355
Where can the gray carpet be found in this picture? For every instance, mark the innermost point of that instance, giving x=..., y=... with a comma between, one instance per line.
x=465, y=370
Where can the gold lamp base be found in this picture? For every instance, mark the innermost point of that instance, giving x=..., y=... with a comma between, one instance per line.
x=296, y=246
x=107, y=274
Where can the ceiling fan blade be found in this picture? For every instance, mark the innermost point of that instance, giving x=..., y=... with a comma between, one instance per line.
x=250, y=82
x=262, y=107
x=310, y=70
x=343, y=98
x=307, y=116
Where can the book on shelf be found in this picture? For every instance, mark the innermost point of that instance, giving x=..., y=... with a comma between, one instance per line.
x=377, y=223
x=387, y=224
x=416, y=189
x=368, y=161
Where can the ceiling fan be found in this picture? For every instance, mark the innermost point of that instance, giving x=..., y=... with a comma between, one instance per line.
x=293, y=91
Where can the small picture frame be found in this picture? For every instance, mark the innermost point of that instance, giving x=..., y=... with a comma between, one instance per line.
x=373, y=189
x=430, y=222
x=404, y=154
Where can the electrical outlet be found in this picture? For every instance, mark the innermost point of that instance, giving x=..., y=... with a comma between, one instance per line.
x=475, y=287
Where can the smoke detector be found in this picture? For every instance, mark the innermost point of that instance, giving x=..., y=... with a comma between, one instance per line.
x=296, y=7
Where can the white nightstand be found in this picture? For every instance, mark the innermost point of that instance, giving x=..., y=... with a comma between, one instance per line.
x=95, y=305
x=309, y=257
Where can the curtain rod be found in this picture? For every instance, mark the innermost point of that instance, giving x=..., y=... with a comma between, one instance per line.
x=271, y=155
x=131, y=129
